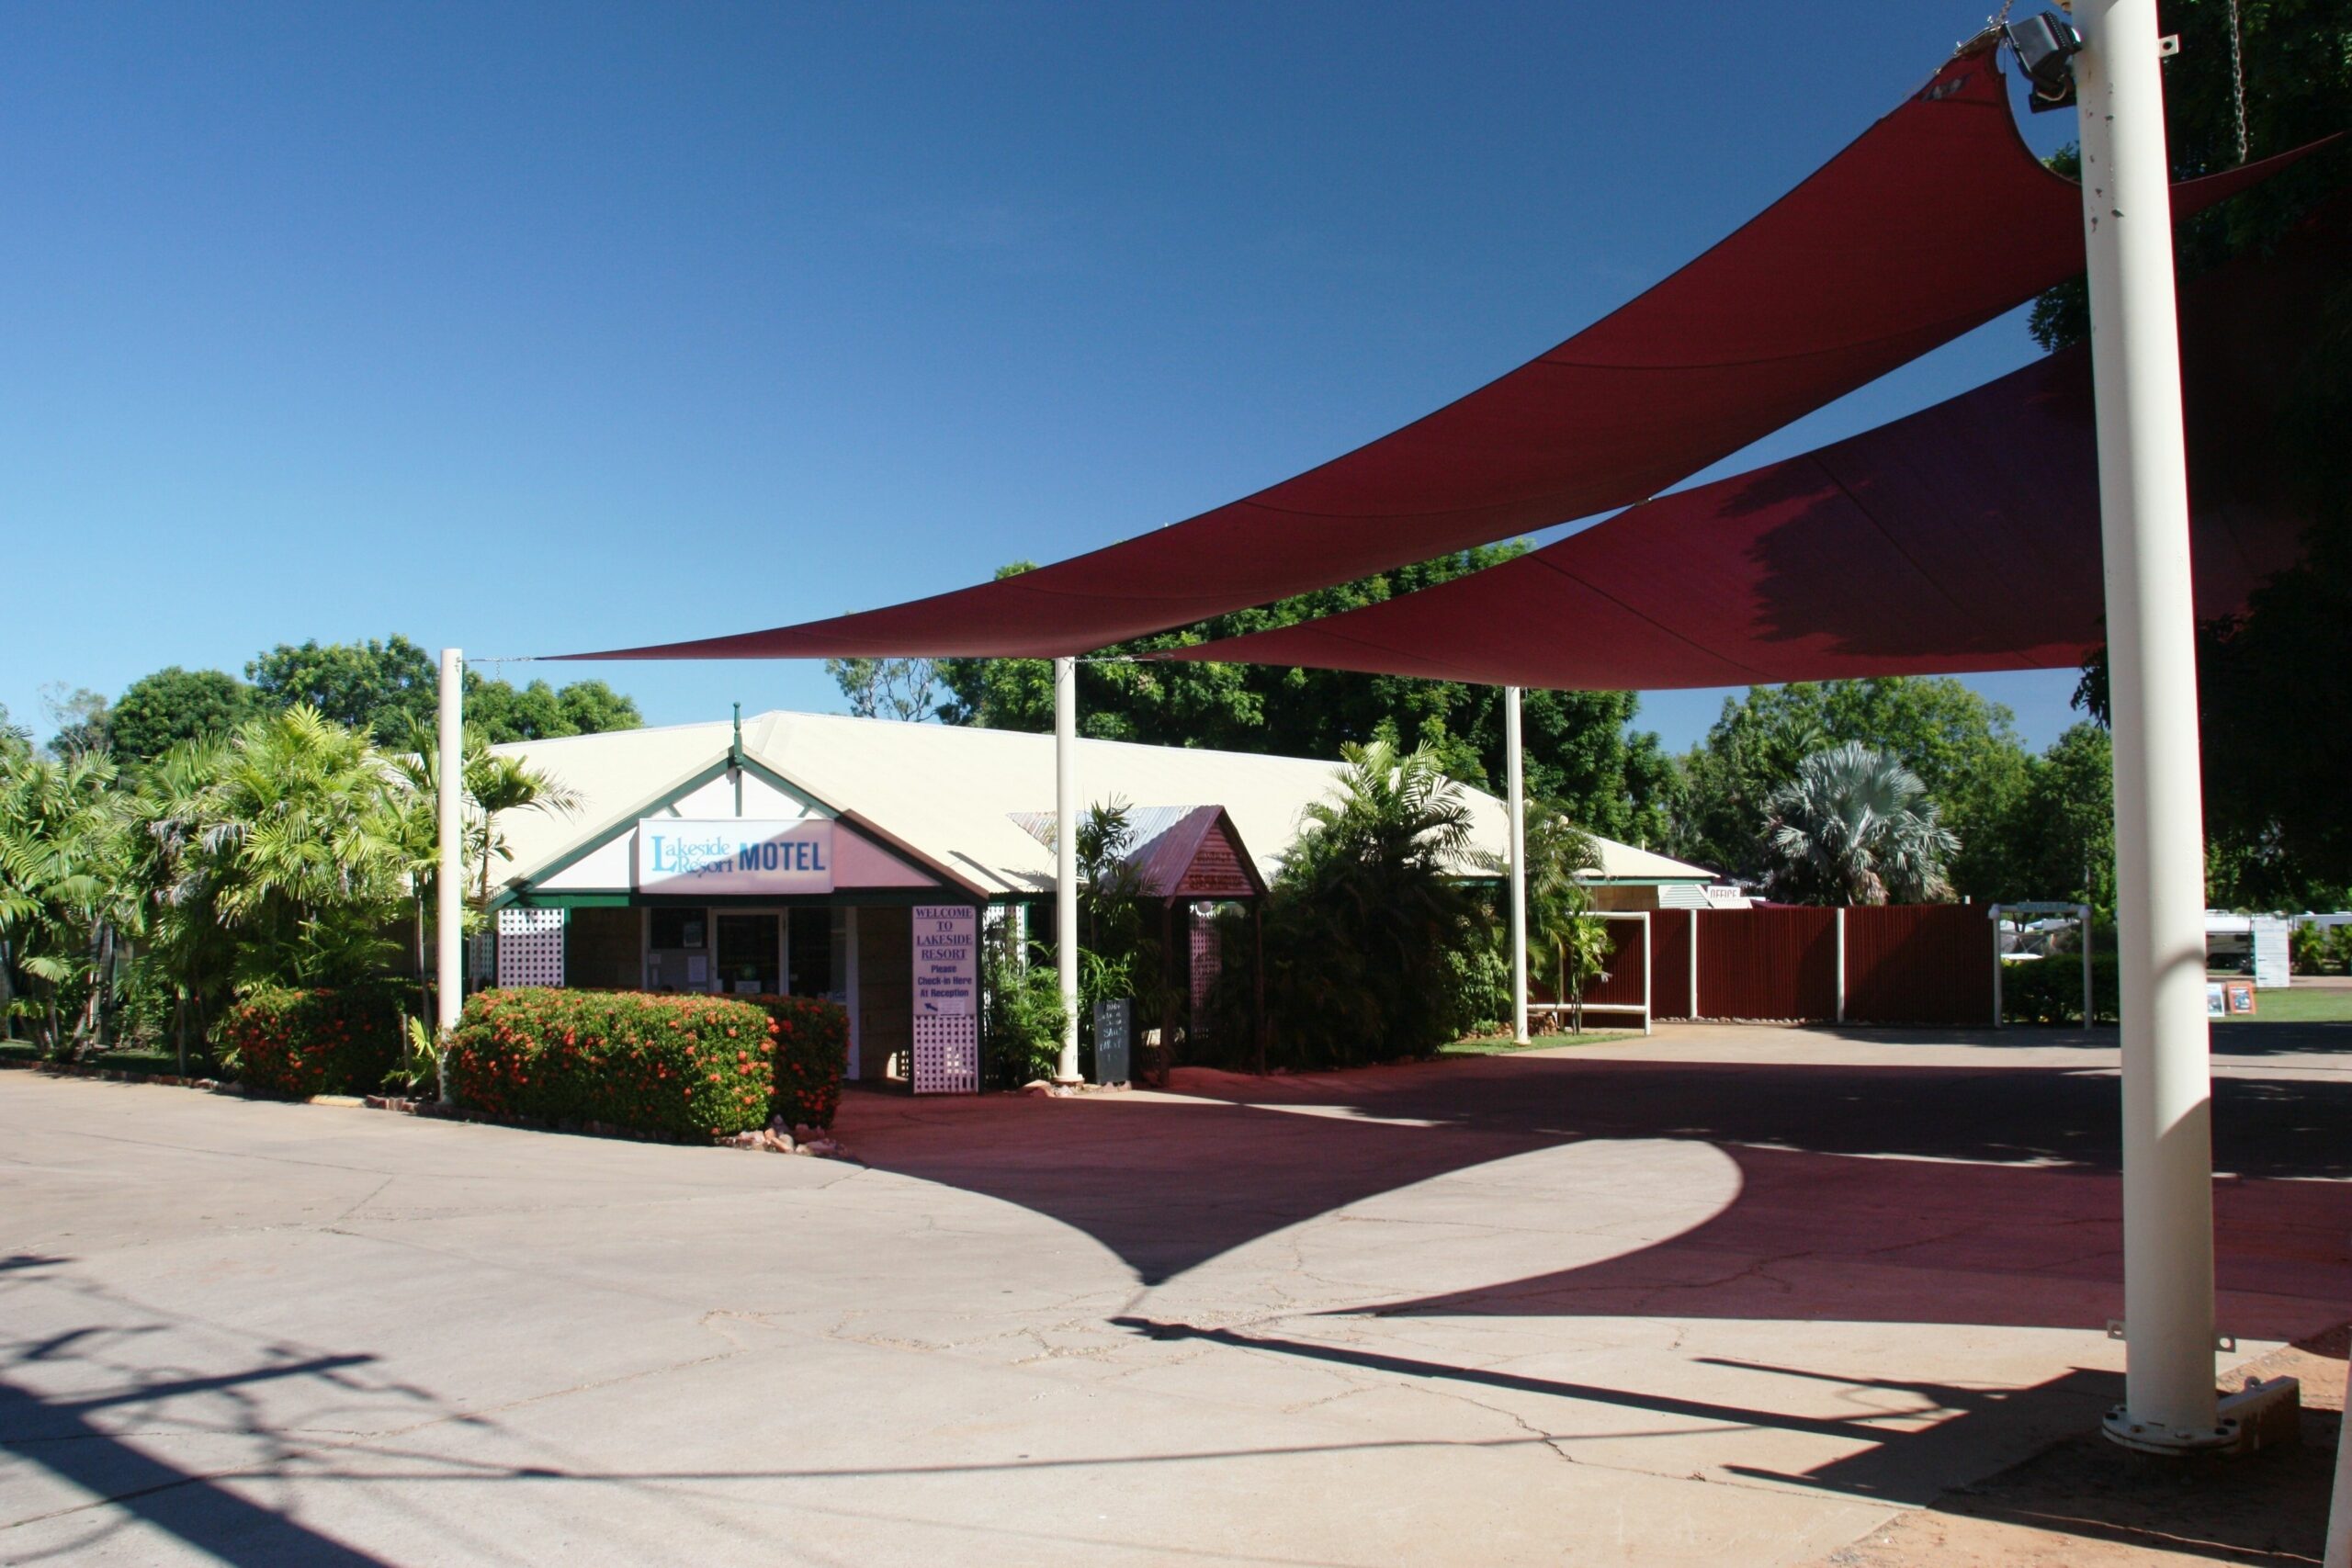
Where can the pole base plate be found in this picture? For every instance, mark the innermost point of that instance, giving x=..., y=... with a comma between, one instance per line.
x=2155, y=1438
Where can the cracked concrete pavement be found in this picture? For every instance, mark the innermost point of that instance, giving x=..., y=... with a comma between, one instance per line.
x=1720, y=1295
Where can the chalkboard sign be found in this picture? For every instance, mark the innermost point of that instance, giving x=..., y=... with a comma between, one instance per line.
x=1114, y=1024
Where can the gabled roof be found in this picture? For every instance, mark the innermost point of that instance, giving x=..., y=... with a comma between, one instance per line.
x=1173, y=851
x=950, y=793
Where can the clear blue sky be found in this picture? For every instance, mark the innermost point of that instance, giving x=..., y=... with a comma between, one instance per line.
x=540, y=327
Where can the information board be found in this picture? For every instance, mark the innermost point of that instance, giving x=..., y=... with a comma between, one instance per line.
x=946, y=959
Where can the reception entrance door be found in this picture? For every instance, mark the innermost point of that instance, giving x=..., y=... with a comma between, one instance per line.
x=750, y=953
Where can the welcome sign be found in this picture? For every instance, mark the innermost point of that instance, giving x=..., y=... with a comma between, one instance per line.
x=733, y=855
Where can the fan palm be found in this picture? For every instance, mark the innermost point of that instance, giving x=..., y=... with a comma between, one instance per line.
x=1855, y=826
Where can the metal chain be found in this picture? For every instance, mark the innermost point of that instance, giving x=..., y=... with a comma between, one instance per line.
x=2237, y=78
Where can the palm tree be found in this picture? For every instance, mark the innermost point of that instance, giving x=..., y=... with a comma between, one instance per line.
x=1368, y=916
x=306, y=832
x=61, y=850
x=1855, y=826
x=175, y=883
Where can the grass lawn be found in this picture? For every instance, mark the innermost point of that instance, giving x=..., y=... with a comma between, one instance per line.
x=2300, y=1004
x=1540, y=1043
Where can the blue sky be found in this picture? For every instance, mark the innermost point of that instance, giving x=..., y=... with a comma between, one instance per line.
x=540, y=327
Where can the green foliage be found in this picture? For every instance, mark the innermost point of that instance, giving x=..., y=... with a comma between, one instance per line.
x=296, y=1044
x=1020, y=1020
x=688, y=1065
x=174, y=706
x=62, y=854
x=82, y=720
x=2050, y=991
x=1855, y=826
x=1579, y=746
x=811, y=1054
x=2320, y=950
x=1961, y=746
x=2059, y=840
x=376, y=688
x=2277, y=729
x=1365, y=926
x=386, y=689
x=903, y=689
x=502, y=714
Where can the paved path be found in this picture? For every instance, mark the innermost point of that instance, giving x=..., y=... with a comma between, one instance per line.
x=1723, y=1295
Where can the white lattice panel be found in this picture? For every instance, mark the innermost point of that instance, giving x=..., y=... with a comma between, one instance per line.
x=530, y=947
x=948, y=1054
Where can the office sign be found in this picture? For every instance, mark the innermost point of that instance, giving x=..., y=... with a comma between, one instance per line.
x=733, y=855
x=947, y=959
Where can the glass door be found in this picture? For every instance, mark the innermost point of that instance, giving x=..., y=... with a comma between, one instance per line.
x=748, y=947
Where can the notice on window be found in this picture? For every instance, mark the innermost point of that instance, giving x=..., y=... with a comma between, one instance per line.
x=947, y=959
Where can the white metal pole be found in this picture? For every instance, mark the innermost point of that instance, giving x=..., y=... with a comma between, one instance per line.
x=448, y=910
x=1066, y=859
x=2082, y=934
x=1997, y=966
x=1515, y=770
x=1841, y=963
x=1646, y=951
x=1695, y=966
x=2169, y=1401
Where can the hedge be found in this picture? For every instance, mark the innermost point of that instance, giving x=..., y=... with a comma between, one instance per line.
x=685, y=1065
x=298, y=1043
x=2050, y=991
x=811, y=1054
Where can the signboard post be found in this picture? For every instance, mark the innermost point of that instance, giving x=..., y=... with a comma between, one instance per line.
x=946, y=1057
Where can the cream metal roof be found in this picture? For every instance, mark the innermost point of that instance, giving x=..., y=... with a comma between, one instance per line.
x=951, y=791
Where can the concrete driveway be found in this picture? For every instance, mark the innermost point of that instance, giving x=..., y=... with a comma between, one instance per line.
x=1725, y=1295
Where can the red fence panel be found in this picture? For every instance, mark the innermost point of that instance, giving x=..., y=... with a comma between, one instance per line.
x=1775, y=964
x=1919, y=964
x=1625, y=983
x=1670, y=955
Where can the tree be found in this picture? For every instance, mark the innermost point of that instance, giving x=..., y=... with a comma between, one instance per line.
x=80, y=715
x=904, y=689
x=1369, y=917
x=310, y=870
x=375, y=688
x=1855, y=826
x=61, y=850
x=2276, y=720
x=2062, y=836
x=1963, y=746
x=1562, y=935
x=1579, y=746
x=158, y=712
x=503, y=713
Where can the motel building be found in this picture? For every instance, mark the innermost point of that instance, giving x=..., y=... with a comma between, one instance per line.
x=861, y=860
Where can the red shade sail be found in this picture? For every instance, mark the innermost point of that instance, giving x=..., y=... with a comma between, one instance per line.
x=1936, y=220
x=1962, y=538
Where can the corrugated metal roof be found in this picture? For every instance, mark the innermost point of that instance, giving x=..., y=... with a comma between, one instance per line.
x=957, y=794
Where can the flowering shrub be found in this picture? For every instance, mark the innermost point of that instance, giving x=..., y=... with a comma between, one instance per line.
x=811, y=1054
x=298, y=1043
x=687, y=1065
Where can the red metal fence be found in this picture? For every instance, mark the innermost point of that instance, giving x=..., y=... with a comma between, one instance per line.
x=1904, y=963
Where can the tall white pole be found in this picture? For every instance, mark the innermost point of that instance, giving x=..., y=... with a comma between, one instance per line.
x=1066, y=810
x=449, y=909
x=2169, y=1402
x=1515, y=770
